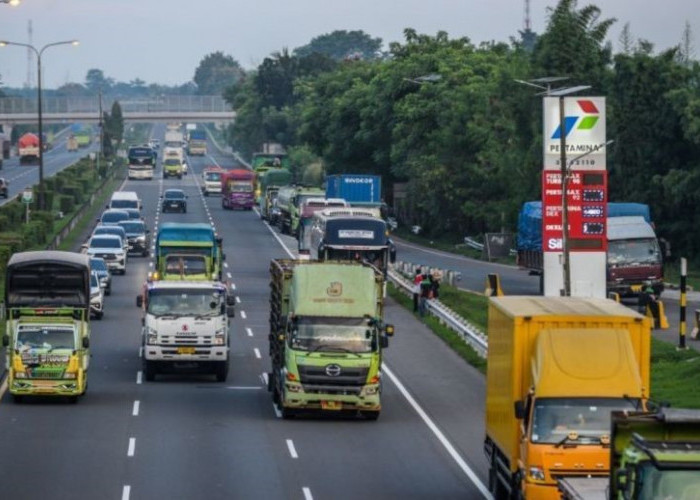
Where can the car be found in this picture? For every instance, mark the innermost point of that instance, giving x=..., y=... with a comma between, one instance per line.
x=134, y=214
x=154, y=143
x=110, y=248
x=174, y=200
x=112, y=216
x=138, y=236
x=3, y=187
x=116, y=229
x=184, y=168
x=97, y=297
x=99, y=266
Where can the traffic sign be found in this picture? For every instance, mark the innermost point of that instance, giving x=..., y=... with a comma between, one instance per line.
x=27, y=196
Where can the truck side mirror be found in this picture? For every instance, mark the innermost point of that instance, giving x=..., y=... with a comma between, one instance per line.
x=392, y=254
x=230, y=300
x=230, y=311
x=139, y=301
x=86, y=342
x=519, y=410
x=5, y=340
x=384, y=341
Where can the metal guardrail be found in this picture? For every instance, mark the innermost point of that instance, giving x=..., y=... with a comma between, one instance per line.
x=466, y=330
x=472, y=243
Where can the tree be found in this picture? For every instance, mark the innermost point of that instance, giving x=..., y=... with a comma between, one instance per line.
x=71, y=90
x=215, y=72
x=95, y=81
x=686, y=52
x=342, y=44
x=626, y=40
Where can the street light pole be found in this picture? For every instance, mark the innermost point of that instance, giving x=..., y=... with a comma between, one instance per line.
x=41, y=202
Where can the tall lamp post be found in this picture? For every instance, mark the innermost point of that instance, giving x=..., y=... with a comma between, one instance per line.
x=41, y=201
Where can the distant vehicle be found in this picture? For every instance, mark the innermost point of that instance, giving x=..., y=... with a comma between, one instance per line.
x=134, y=214
x=97, y=297
x=112, y=229
x=99, y=266
x=28, y=149
x=3, y=187
x=174, y=200
x=197, y=142
x=142, y=161
x=71, y=144
x=154, y=143
x=211, y=180
x=84, y=137
x=237, y=189
x=125, y=199
x=138, y=236
x=112, y=216
x=110, y=248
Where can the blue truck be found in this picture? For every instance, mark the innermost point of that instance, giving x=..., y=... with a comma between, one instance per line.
x=357, y=189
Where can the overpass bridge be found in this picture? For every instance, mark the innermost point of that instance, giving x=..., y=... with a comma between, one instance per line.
x=167, y=108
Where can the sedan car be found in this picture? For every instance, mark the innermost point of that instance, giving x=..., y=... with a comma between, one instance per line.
x=99, y=266
x=174, y=200
x=97, y=298
x=112, y=216
x=134, y=213
x=3, y=187
x=138, y=236
x=116, y=230
x=110, y=248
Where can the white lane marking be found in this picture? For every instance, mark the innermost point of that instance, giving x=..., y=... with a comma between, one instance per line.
x=424, y=416
x=257, y=352
x=141, y=352
x=243, y=315
x=249, y=332
x=135, y=411
x=132, y=447
x=263, y=376
x=238, y=299
x=307, y=493
x=233, y=285
x=228, y=275
x=438, y=433
x=292, y=450
x=139, y=377
x=226, y=265
x=126, y=492
x=278, y=413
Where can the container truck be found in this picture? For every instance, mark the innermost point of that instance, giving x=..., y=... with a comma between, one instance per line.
x=188, y=251
x=173, y=138
x=197, y=142
x=262, y=162
x=237, y=189
x=356, y=189
x=556, y=369
x=47, y=332
x=634, y=255
x=185, y=323
x=326, y=337
x=28, y=149
x=653, y=455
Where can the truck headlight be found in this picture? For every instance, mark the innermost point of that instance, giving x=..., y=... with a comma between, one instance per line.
x=141, y=238
x=536, y=473
x=151, y=336
x=70, y=375
x=220, y=337
x=19, y=374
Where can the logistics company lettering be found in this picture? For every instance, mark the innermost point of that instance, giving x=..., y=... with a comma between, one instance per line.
x=358, y=180
x=585, y=122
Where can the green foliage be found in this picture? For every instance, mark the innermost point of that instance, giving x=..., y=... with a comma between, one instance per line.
x=215, y=72
x=66, y=203
x=675, y=375
x=341, y=45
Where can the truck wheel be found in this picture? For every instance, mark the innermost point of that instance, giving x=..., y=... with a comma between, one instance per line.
x=221, y=371
x=370, y=415
x=149, y=370
x=495, y=486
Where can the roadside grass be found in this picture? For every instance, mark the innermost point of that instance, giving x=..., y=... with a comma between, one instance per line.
x=675, y=375
x=672, y=274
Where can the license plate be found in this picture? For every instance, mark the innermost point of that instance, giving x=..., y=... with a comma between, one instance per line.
x=185, y=350
x=173, y=204
x=636, y=288
x=331, y=405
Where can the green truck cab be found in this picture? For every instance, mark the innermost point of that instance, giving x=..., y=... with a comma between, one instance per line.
x=289, y=201
x=326, y=337
x=653, y=455
x=189, y=252
x=47, y=335
x=267, y=184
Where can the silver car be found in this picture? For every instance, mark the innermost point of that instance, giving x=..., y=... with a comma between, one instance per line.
x=97, y=297
x=111, y=248
x=99, y=266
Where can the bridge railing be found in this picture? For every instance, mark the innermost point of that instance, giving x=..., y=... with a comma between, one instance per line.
x=167, y=103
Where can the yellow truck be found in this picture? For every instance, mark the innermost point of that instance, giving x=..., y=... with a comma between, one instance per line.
x=557, y=368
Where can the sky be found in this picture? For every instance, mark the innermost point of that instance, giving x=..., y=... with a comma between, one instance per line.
x=163, y=41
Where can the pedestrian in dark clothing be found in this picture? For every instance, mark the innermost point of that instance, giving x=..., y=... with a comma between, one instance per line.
x=435, y=282
x=425, y=287
x=416, y=288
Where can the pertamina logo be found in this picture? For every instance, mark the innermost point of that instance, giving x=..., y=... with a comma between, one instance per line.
x=335, y=290
x=579, y=122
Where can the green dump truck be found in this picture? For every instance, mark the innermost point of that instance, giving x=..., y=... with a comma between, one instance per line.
x=326, y=337
x=289, y=201
x=653, y=455
x=47, y=334
x=189, y=252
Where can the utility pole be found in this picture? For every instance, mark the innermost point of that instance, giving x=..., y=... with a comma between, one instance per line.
x=101, y=139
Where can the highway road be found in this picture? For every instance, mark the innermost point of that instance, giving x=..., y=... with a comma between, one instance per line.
x=185, y=436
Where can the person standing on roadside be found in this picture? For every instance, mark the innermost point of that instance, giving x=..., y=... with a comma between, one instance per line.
x=426, y=287
x=416, y=288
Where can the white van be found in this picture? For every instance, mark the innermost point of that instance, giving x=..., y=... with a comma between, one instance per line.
x=125, y=199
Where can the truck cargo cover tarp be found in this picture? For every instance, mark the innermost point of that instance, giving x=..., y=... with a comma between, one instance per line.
x=337, y=290
x=530, y=226
x=583, y=362
x=628, y=228
x=192, y=233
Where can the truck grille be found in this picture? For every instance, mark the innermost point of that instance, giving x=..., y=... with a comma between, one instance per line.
x=315, y=379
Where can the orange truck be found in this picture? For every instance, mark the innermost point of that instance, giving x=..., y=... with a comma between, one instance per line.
x=28, y=149
x=557, y=368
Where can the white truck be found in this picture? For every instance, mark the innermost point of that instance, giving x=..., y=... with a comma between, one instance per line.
x=186, y=325
x=174, y=139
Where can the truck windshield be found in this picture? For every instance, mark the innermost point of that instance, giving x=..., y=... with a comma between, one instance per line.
x=554, y=419
x=642, y=251
x=213, y=176
x=44, y=339
x=332, y=334
x=668, y=483
x=171, y=161
x=185, y=302
x=185, y=264
x=240, y=186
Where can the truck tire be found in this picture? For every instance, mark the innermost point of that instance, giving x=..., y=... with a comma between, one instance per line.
x=221, y=371
x=495, y=486
x=149, y=370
